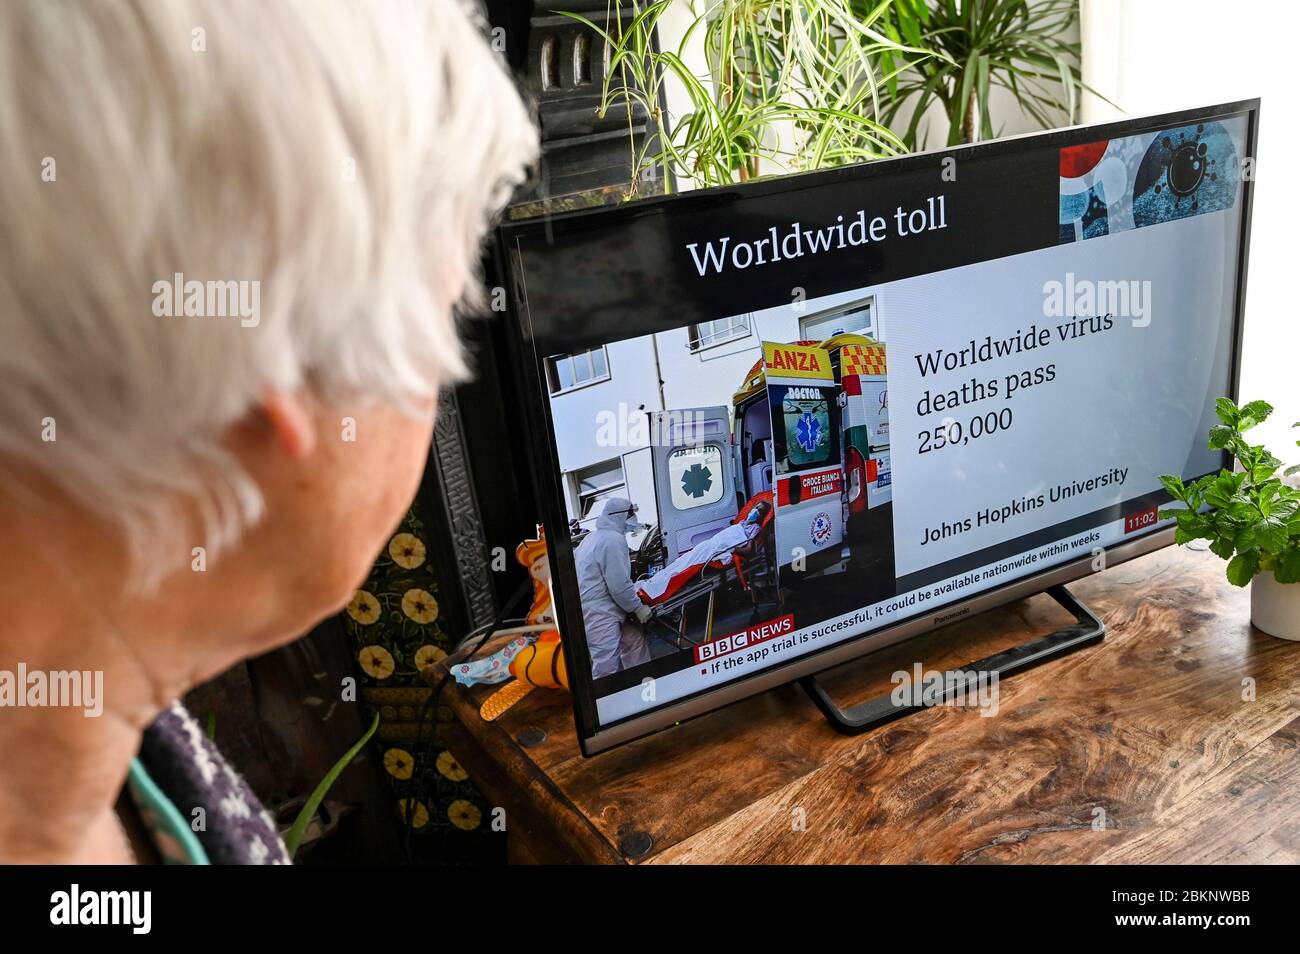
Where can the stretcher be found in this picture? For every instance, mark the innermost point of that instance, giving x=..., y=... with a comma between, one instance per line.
x=751, y=566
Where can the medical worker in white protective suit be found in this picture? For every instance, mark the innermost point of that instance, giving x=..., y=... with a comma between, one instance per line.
x=605, y=583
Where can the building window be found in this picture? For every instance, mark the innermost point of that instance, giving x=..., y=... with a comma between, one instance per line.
x=858, y=317
x=593, y=484
x=569, y=371
x=711, y=333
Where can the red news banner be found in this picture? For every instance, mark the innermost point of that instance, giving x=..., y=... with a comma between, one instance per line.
x=746, y=638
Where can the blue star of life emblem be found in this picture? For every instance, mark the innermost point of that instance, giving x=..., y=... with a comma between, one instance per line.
x=807, y=430
x=696, y=480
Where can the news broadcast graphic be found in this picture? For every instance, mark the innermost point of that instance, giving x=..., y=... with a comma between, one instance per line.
x=787, y=416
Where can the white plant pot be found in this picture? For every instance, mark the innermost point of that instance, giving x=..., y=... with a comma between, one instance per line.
x=1275, y=607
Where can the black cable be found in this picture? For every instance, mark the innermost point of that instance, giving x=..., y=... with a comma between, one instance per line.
x=525, y=588
x=505, y=623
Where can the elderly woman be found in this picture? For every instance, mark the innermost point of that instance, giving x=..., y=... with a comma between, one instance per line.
x=233, y=237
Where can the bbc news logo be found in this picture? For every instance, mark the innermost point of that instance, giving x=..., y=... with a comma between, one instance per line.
x=745, y=639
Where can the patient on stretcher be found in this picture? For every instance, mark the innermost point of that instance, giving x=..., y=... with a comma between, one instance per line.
x=687, y=567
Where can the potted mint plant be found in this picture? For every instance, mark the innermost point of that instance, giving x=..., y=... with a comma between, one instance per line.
x=1251, y=516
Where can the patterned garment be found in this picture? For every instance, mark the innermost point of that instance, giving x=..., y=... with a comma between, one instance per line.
x=197, y=808
x=393, y=622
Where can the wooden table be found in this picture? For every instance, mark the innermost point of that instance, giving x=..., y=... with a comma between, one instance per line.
x=1149, y=747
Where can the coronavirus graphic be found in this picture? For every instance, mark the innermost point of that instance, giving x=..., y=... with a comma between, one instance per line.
x=1187, y=167
x=1191, y=170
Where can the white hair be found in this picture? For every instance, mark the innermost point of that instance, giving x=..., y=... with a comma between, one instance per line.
x=345, y=155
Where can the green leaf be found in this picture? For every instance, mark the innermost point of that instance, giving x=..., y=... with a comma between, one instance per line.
x=1221, y=436
x=1175, y=486
x=1264, y=467
x=1223, y=547
x=1227, y=410
x=1287, y=566
x=911, y=29
x=1256, y=412
x=1221, y=491
x=1243, y=567
x=1263, y=497
x=955, y=135
x=1270, y=535
x=294, y=837
x=1242, y=509
x=982, y=96
x=1194, y=524
x=1202, y=484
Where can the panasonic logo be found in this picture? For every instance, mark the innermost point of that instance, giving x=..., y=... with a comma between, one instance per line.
x=940, y=620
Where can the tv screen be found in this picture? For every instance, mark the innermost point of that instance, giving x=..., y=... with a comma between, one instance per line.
x=778, y=425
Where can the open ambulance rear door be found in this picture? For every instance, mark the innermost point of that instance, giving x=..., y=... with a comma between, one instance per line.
x=694, y=478
x=803, y=397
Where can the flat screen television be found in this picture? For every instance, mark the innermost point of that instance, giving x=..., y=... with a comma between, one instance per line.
x=793, y=421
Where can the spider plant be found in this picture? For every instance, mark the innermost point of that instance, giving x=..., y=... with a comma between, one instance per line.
x=790, y=85
x=308, y=811
x=981, y=45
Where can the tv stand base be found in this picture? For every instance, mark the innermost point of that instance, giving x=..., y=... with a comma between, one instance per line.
x=865, y=716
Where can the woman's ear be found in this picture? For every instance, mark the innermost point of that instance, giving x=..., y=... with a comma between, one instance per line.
x=291, y=422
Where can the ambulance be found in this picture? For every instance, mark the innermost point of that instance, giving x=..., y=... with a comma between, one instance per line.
x=810, y=425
